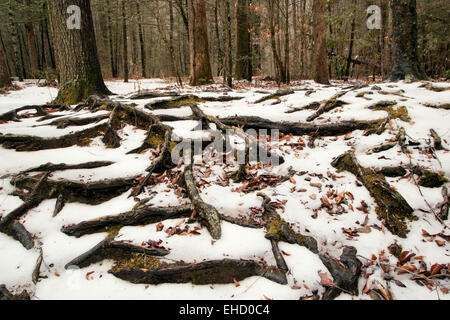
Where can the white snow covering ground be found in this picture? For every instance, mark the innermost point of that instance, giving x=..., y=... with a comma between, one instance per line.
x=301, y=201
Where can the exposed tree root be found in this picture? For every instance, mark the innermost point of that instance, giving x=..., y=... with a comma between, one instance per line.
x=328, y=105
x=280, y=230
x=50, y=167
x=30, y=143
x=111, y=139
x=186, y=100
x=437, y=140
x=301, y=129
x=152, y=95
x=13, y=115
x=281, y=263
x=139, y=216
x=345, y=272
x=310, y=106
x=428, y=178
x=239, y=175
x=392, y=172
x=208, y=215
x=275, y=96
x=209, y=272
x=92, y=193
x=383, y=147
x=392, y=207
x=75, y=122
x=110, y=249
x=37, y=268
x=445, y=205
x=6, y=295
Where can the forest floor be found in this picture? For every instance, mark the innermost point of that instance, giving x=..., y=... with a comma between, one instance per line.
x=309, y=193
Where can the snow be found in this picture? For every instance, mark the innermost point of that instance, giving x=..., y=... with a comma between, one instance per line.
x=301, y=209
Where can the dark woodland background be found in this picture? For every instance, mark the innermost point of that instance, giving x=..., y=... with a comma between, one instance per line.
x=281, y=37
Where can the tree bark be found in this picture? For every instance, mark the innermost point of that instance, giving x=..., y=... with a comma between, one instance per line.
x=320, y=42
x=406, y=64
x=125, y=43
x=243, y=49
x=5, y=79
x=199, y=50
x=80, y=74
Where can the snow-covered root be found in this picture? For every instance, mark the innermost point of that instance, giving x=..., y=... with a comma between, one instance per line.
x=6, y=295
x=186, y=100
x=13, y=115
x=328, y=105
x=208, y=272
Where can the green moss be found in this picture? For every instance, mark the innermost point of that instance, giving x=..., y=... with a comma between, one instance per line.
x=395, y=113
x=137, y=261
x=391, y=206
x=430, y=179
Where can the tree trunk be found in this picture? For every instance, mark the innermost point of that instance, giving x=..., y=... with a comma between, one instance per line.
x=352, y=37
x=5, y=79
x=79, y=69
x=199, y=50
x=404, y=41
x=320, y=42
x=31, y=43
x=141, y=43
x=243, y=51
x=125, y=43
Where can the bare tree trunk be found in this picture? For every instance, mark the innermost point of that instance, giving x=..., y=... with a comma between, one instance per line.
x=243, y=49
x=31, y=43
x=5, y=79
x=320, y=42
x=79, y=69
x=141, y=43
x=286, y=43
x=404, y=39
x=228, y=74
x=220, y=64
x=125, y=43
x=279, y=68
x=199, y=50
x=112, y=54
x=352, y=37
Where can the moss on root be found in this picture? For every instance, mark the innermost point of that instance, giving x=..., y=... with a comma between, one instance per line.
x=137, y=261
x=391, y=206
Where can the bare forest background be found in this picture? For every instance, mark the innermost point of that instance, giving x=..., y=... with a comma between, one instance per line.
x=150, y=39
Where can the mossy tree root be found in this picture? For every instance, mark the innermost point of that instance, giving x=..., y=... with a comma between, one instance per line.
x=275, y=95
x=279, y=230
x=142, y=215
x=208, y=215
x=208, y=272
x=301, y=129
x=345, y=272
x=328, y=105
x=445, y=205
x=437, y=140
x=111, y=139
x=392, y=207
x=110, y=249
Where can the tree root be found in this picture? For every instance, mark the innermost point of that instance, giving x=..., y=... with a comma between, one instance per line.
x=383, y=147
x=152, y=95
x=444, y=207
x=40, y=111
x=6, y=295
x=111, y=139
x=437, y=140
x=328, y=105
x=50, y=167
x=75, y=122
x=92, y=193
x=116, y=250
x=301, y=129
x=209, y=272
x=139, y=216
x=392, y=207
x=30, y=143
x=345, y=272
x=275, y=96
x=36, y=272
x=186, y=100
x=208, y=215
x=280, y=230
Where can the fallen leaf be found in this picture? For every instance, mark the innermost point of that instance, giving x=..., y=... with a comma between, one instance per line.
x=435, y=269
x=236, y=283
x=325, y=281
x=285, y=253
x=407, y=267
x=88, y=274
x=440, y=243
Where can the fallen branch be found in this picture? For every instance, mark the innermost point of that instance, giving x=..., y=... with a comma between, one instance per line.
x=328, y=105
x=275, y=95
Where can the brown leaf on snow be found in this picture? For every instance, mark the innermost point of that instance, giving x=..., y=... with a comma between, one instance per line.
x=285, y=253
x=407, y=267
x=236, y=283
x=326, y=202
x=325, y=281
x=435, y=269
x=440, y=243
x=88, y=274
x=159, y=227
x=313, y=197
x=384, y=291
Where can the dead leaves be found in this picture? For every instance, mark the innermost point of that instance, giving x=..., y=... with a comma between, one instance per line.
x=325, y=281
